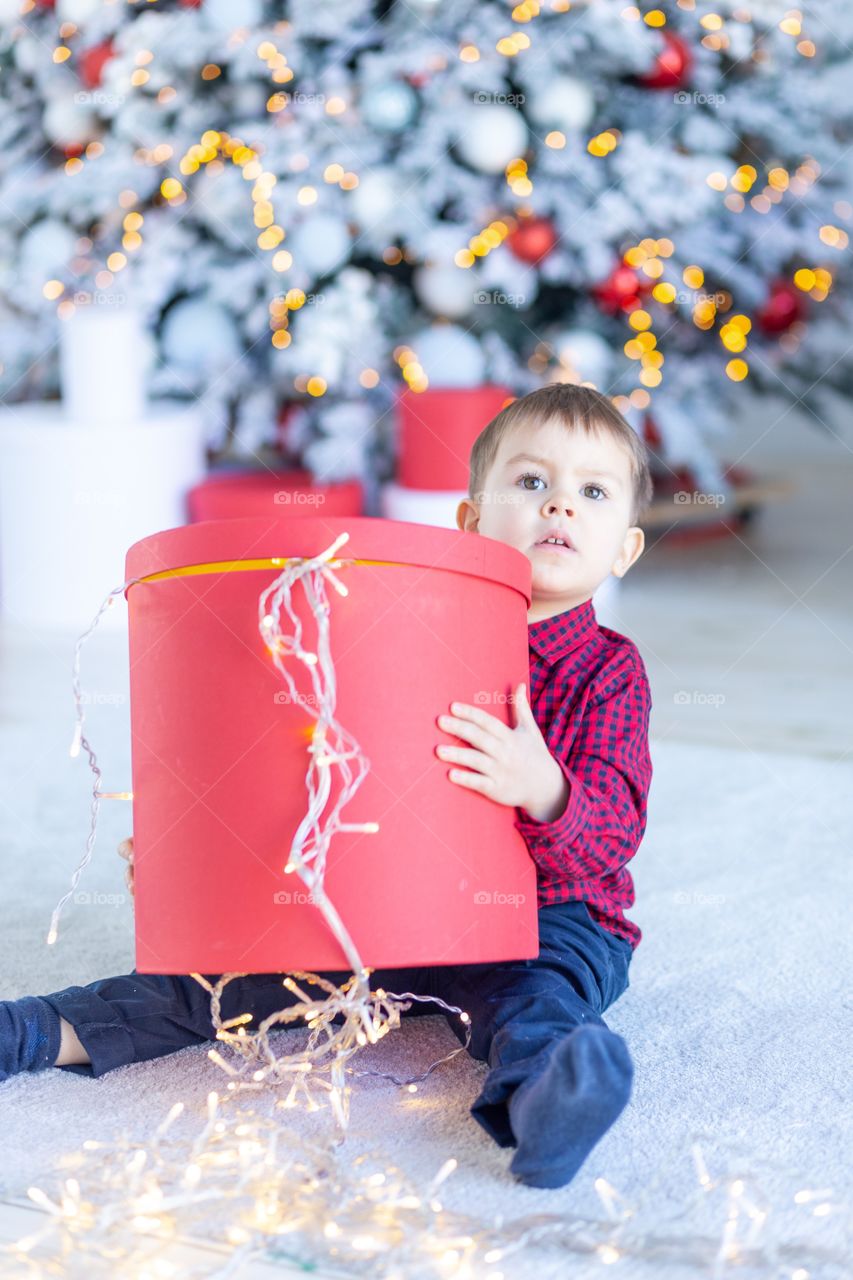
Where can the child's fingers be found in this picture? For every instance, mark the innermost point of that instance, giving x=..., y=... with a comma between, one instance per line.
x=126, y=849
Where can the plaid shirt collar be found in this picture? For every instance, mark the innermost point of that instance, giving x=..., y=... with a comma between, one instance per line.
x=553, y=638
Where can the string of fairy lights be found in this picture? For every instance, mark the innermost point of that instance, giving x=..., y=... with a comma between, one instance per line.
x=737, y=188
x=247, y=1183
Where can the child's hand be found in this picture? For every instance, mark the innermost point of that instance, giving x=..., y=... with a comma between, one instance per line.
x=512, y=766
x=126, y=851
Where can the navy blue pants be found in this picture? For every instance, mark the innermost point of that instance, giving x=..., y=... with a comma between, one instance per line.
x=520, y=1011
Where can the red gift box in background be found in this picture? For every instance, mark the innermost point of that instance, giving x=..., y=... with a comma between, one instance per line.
x=219, y=749
x=437, y=429
x=236, y=494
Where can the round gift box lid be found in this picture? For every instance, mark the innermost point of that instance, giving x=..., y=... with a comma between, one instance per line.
x=254, y=540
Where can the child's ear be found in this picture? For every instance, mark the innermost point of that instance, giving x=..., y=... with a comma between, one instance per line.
x=632, y=549
x=467, y=516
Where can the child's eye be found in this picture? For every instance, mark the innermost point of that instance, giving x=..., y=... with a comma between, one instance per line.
x=599, y=488
x=531, y=475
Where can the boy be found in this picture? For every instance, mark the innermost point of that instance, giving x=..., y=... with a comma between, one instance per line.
x=560, y=475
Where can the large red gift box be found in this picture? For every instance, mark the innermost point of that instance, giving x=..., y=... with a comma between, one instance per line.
x=437, y=429
x=255, y=492
x=220, y=750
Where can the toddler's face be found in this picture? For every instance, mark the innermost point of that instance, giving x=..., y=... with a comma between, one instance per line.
x=546, y=478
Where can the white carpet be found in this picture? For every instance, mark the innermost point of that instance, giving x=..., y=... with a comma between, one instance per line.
x=737, y=1015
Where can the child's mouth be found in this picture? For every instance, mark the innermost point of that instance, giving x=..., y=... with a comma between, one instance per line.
x=558, y=547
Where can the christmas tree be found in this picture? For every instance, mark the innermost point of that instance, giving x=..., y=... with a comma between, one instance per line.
x=318, y=203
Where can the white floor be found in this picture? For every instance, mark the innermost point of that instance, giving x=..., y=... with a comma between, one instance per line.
x=738, y=1013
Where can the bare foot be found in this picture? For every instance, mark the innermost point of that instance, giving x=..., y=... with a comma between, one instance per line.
x=71, y=1051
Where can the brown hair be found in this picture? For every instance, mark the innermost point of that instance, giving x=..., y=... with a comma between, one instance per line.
x=576, y=407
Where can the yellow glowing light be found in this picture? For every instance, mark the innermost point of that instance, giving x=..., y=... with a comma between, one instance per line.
x=655, y=18
x=639, y=319
x=316, y=386
x=307, y=195
x=281, y=338
x=282, y=260
x=791, y=25
x=778, y=179
x=651, y=377
x=652, y=268
x=73, y=165
x=276, y=102
x=295, y=299
x=464, y=258
x=664, y=293
x=646, y=341
x=335, y=107
x=805, y=279
x=741, y=322
x=266, y=49
x=806, y=48
x=631, y=13
x=116, y=261
x=665, y=248
x=555, y=139
x=469, y=53
x=131, y=240
x=633, y=349
x=693, y=277
x=210, y=71
x=369, y=378
x=732, y=339
x=737, y=370
x=61, y=54
x=52, y=289
x=333, y=173
x=602, y=144
x=743, y=177
x=716, y=180
x=270, y=238
x=132, y=221
x=711, y=22
x=170, y=187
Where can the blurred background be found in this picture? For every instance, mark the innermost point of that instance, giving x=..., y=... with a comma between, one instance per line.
x=265, y=258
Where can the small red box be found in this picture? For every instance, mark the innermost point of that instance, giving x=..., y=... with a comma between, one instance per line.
x=236, y=494
x=437, y=429
x=220, y=757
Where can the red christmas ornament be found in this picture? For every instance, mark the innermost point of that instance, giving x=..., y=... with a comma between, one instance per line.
x=623, y=290
x=92, y=63
x=672, y=66
x=783, y=307
x=533, y=239
x=191, y=4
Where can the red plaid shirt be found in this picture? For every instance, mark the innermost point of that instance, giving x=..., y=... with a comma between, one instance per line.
x=590, y=695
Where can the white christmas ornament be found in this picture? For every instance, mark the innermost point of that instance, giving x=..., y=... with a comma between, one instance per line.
x=449, y=356
x=77, y=11
x=389, y=108
x=321, y=243
x=46, y=250
x=375, y=198
x=561, y=103
x=227, y=15
x=447, y=290
x=197, y=334
x=583, y=356
x=67, y=122
x=489, y=135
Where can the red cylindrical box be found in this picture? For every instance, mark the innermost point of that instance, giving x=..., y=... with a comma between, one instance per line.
x=437, y=429
x=236, y=494
x=220, y=753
